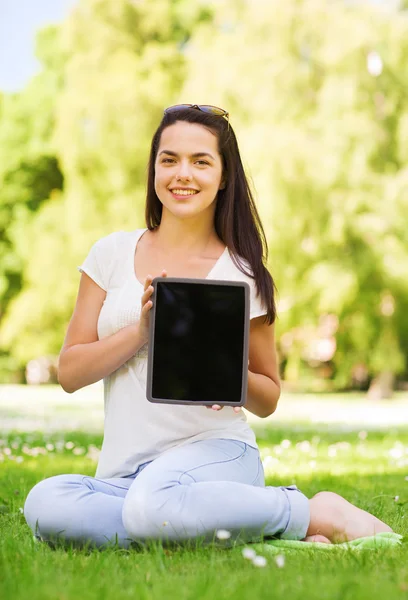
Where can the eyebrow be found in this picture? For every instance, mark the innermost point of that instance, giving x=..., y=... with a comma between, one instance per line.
x=195, y=155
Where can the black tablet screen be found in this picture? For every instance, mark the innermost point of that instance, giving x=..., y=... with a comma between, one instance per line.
x=198, y=342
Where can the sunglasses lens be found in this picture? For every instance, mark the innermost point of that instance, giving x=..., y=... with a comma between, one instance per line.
x=213, y=110
x=207, y=108
x=177, y=107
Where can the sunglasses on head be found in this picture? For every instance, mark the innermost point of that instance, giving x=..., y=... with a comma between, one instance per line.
x=206, y=108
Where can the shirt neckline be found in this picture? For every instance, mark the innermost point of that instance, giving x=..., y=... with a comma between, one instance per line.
x=139, y=234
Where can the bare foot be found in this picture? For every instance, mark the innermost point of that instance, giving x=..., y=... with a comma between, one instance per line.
x=336, y=519
x=317, y=538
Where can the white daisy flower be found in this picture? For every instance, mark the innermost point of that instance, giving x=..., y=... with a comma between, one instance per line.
x=223, y=534
x=259, y=561
x=280, y=561
x=248, y=553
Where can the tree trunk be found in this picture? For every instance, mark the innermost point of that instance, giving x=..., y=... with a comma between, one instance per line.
x=382, y=386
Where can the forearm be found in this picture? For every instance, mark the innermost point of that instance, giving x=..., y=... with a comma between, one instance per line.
x=83, y=364
x=262, y=396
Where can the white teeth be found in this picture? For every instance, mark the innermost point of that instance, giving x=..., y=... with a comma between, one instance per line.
x=184, y=192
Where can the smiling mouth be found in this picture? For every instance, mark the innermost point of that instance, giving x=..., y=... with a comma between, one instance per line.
x=181, y=192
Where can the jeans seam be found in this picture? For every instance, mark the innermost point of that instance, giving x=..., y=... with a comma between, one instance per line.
x=216, y=462
x=257, y=474
x=103, y=481
x=138, y=470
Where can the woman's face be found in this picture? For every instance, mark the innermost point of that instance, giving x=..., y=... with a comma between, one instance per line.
x=188, y=170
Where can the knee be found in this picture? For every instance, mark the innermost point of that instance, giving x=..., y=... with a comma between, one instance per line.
x=143, y=517
x=36, y=503
x=40, y=505
x=136, y=515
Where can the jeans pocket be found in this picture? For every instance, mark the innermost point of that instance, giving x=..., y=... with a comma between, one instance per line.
x=242, y=445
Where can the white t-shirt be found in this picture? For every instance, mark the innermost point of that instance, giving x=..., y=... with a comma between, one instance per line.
x=136, y=430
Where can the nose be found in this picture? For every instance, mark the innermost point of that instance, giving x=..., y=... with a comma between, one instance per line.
x=184, y=171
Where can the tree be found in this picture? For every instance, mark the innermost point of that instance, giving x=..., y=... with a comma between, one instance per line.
x=29, y=172
x=318, y=98
x=117, y=64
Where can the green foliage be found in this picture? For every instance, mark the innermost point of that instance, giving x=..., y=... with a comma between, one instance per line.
x=32, y=182
x=323, y=132
x=115, y=66
x=29, y=169
x=326, y=143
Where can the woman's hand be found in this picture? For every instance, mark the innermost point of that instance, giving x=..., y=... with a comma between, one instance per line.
x=146, y=306
x=236, y=409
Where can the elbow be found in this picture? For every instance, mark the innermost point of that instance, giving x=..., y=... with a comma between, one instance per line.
x=65, y=378
x=64, y=383
x=273, y=405
x=269, y=411
x=67, y=388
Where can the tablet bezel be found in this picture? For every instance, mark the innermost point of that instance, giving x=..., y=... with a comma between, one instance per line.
x=152, y=321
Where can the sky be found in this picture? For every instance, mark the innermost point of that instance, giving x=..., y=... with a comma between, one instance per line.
x=19, y=21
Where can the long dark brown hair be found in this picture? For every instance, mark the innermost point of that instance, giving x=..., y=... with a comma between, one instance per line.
x=237, y=222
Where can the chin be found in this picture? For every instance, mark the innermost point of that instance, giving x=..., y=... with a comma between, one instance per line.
x=187, y=210
x=184, y=209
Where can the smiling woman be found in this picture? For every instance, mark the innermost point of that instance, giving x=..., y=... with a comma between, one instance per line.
x=188, y=164
x=192, y=167
x=179, y=472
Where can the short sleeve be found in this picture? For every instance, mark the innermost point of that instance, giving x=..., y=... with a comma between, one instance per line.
x=97, y=265
x=256, y=306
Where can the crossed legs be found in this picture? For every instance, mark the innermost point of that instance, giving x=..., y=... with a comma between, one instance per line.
x=189, y=492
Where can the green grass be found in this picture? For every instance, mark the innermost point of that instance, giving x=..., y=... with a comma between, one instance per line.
x=368, y=469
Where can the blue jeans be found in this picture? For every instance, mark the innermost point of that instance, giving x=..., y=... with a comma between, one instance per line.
x=188, y=492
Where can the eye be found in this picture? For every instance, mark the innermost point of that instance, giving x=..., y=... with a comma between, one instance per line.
x=202, y=162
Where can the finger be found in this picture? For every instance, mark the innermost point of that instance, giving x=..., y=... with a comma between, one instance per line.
x=216, y=407
x=148, y=281
x=147, y=294
x=164, y=273
x=237, y=409
x=147, y=307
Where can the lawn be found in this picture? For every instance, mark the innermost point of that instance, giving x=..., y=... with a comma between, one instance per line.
x=368, y=468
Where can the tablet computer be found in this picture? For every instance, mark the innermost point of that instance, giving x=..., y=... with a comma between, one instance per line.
x=198, y=342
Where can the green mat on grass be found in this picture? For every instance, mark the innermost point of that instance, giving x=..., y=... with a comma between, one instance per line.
x=380, y=540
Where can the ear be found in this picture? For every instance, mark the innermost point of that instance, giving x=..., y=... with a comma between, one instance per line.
x=223, y=182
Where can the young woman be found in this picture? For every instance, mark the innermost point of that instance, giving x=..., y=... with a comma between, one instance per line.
x=179, y=472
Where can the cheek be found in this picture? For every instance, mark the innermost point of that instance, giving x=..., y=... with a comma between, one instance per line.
x=160, y=178
x=210, y=180
x=158, y=184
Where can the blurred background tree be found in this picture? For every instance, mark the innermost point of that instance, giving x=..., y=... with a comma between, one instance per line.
x=29, y=173
x=120, y=63
x=317, y=94
x=319, y=99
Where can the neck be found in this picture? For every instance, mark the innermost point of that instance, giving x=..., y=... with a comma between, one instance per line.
x=187, y=236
